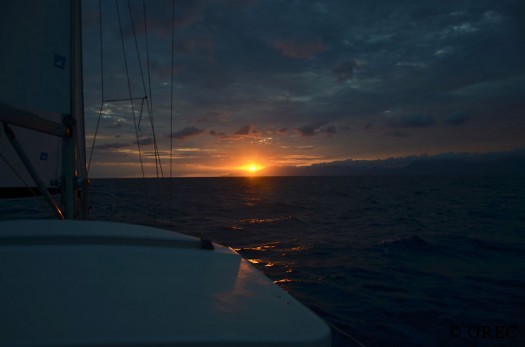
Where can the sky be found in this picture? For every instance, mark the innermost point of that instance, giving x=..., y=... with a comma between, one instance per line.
x=265, y=83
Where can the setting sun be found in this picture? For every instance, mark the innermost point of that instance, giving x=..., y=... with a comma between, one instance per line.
x=252, y=168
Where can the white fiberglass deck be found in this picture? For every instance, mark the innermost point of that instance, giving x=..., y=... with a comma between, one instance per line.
x=66, y=283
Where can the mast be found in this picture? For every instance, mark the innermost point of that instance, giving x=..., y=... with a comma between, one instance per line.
x=78, y=105
x=74, y=149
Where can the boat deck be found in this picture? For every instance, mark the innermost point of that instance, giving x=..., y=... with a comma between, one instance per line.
x=70, y=283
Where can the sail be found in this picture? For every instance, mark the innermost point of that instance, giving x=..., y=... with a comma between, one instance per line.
x=44, y=152
x=35, y=60
x=36, y=76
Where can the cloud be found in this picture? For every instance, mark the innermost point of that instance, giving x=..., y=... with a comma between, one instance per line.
x=299, y=48
x=298, y=147
x=159, y=14
x=398, y=134
x=187, y=11
x=213, y=116
x=457, y=118
x=186, y=132
x=310, y=129
x=330, y=130
x=246, y=130
x=113, y=146
x=214, y=133
x=236, y=3
x=345, y=71
x=411, y=121
x=145, y=142
x=117, y=125
x=195, y=44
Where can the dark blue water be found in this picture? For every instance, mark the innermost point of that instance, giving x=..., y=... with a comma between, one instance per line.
x=391, y=261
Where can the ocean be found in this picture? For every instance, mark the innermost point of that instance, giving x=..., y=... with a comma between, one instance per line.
x=385, y=260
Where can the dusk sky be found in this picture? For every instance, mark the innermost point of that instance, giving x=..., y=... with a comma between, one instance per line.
x=268, y=83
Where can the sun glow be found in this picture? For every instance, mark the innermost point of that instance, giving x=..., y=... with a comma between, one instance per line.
x=252, y=168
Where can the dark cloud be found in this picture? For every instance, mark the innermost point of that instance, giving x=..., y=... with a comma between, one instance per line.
x=236, y=3
x=218, y=134
x=117, y=125
x=187, y=132
x=398, y=134
x=213, y=116
x=146, y=141
x=299, y=48
x=345, y=71
x=246, y=130
x=186, y=11
x=194, y=44
x=310, y=129
x=159, y=15
x=411, y=121
x=330, y=130
x=457, y=118
x=113, y=146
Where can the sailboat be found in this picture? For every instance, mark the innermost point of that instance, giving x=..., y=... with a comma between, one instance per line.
x=72, y=282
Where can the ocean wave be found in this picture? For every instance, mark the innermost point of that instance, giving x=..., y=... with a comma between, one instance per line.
x=261, y=248
x=268, y=220
x=255, y=222
x=472, y=246
x=406, y=244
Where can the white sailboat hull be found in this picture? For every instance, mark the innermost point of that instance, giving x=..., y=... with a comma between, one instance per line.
x=70, y=283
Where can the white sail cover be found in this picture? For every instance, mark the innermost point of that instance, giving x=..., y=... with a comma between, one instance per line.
x=35, y=70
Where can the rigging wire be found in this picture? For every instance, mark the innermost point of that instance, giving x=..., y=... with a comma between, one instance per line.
x=124, y=99
x=129, y=88
x=171, y=195
x=57, y=164
x=140, y=120
x=155, y=148
x=149, y=84
x=18, y=175
x=145, y=19
x=100, y=34
x=171, y=91
x=101, y=86
x=149, y=103
x=95, y=136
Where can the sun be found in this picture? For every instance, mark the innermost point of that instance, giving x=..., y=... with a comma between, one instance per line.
x=252, y=168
